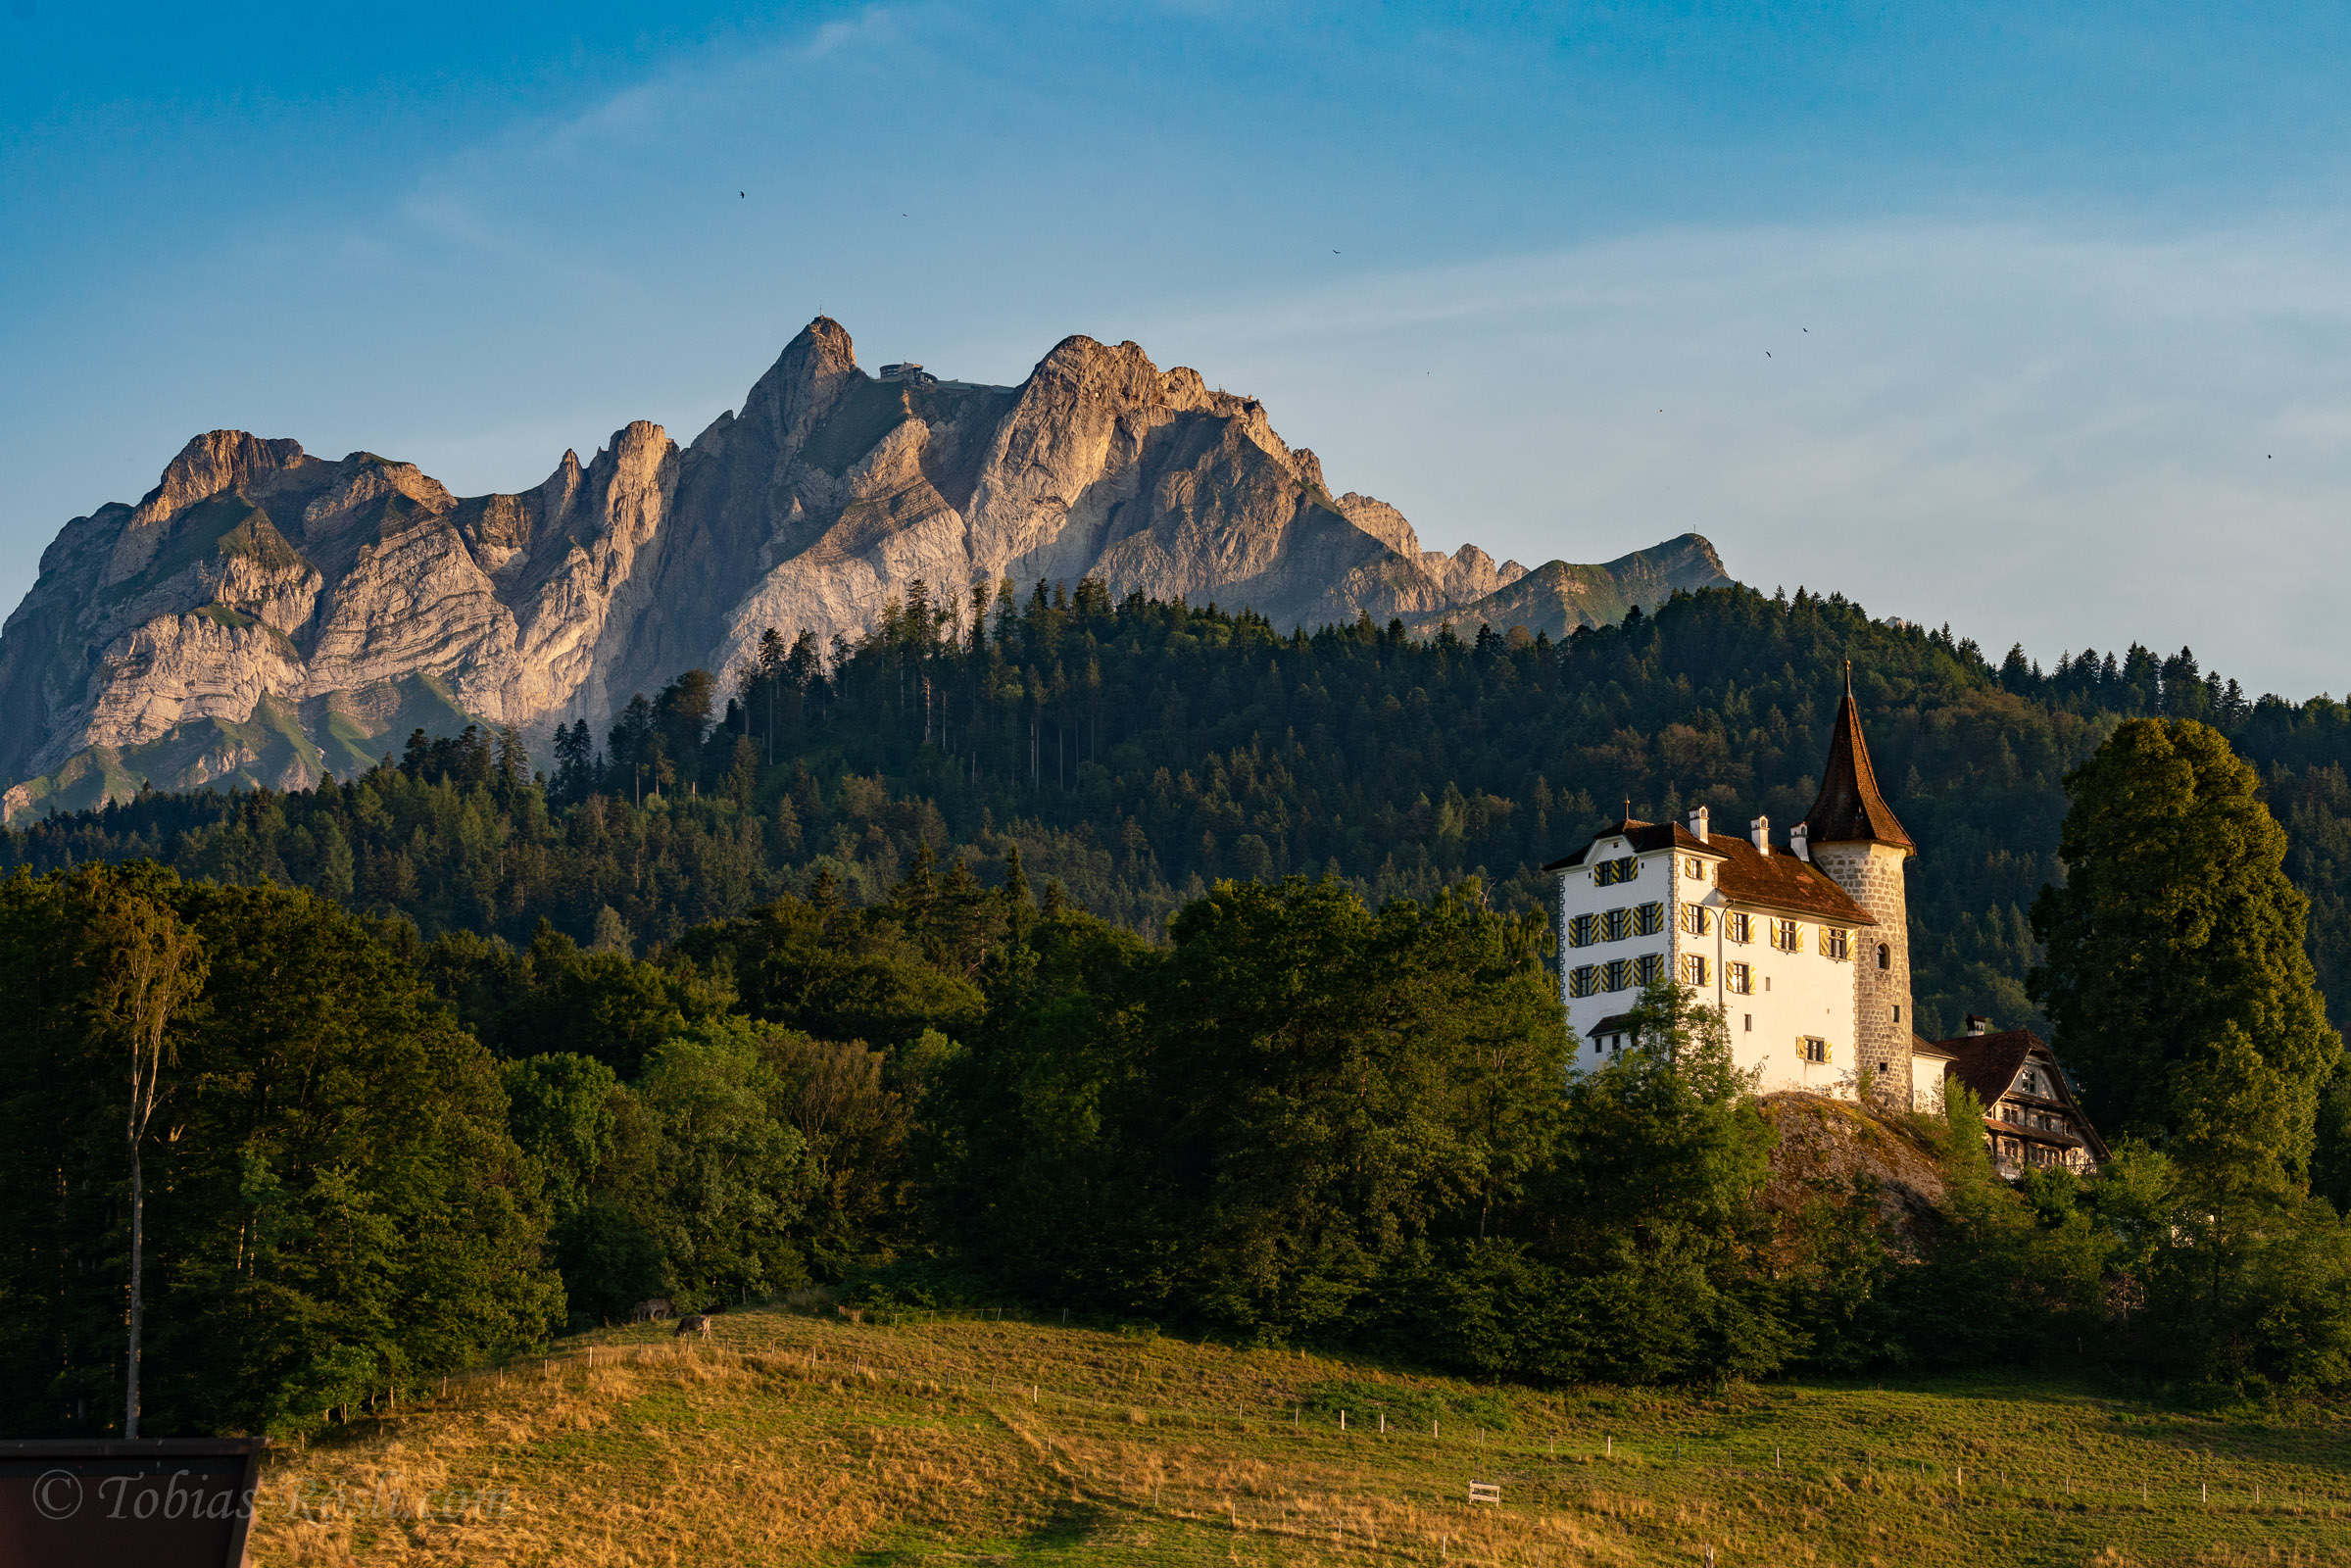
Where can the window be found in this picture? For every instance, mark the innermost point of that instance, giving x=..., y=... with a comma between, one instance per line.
x=1694, y=868
x=1741, y=978
x=1616, y=925
x=1694, y=969
x=1740, y=927
x=1885, y=957
x=1788, y=936
x=1616, y=974
x=1582, y=982
x=1610, y=872
x=1693, y=920
x=1583, y=930
x=1815, y=1049
x=1832, y=941
x=1648, y=919
x=1648, y=967
x=1750, y=1023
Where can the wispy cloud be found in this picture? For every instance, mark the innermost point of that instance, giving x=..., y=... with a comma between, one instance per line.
x=2063, y=438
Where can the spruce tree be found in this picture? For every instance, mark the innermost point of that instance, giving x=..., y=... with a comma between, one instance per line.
x=2175, y=970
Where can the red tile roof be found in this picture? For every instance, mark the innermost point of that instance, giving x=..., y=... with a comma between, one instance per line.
x=1780, y=881
x=1744, y=873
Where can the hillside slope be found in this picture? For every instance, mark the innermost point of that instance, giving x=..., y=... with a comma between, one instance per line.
x=263, y=615
x=792, y=1439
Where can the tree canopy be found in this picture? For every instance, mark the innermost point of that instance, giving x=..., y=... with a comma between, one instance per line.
x=2176, y=972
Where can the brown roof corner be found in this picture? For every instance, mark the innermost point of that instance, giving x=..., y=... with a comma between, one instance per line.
x=1850, y=810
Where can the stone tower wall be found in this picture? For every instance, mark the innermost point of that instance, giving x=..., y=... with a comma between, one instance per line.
x=1882, y=1020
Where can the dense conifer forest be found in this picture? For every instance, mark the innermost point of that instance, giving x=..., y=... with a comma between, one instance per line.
x=1133, y=960
x=1136, y=751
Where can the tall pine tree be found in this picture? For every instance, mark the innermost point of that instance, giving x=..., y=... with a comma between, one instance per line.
x=2175, y=969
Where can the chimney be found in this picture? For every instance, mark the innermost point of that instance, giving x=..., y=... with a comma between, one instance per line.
x=1799, y=841
x=1698, y=824
x=1760, y=830
x=1978, y=1024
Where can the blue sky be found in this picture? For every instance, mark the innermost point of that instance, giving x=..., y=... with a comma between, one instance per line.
x=2029, y=319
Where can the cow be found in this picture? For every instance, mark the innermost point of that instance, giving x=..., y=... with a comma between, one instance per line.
x=652, y=1312
x=693, y=1323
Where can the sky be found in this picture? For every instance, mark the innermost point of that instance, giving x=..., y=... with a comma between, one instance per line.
x=2031, y=318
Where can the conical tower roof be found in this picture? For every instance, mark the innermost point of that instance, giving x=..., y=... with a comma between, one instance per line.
x=1850, y=810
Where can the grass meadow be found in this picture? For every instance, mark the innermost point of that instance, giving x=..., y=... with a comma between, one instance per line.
x=792, y=1437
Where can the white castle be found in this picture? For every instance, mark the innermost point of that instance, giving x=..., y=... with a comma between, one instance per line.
x=1804, y=947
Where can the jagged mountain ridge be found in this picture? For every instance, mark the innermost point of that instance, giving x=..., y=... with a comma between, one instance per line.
x=1558, y=597
x=263, y=614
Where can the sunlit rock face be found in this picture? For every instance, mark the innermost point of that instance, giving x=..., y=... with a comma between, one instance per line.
x=263, y=615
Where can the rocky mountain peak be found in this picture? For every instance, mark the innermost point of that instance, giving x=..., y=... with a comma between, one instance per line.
x=262, y=615
x=214, y=462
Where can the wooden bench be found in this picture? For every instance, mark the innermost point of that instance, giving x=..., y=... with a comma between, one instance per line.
x=1485, y=1491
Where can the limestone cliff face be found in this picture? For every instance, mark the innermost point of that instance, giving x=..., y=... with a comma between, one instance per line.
x=262, y=615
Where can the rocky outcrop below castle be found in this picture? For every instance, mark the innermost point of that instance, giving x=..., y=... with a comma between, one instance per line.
x=262, y=615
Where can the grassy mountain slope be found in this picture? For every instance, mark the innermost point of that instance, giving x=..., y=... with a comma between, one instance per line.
x=792, y=1438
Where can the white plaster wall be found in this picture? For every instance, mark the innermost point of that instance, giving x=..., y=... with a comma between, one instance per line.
x=1797, y=994
x=1577, y=895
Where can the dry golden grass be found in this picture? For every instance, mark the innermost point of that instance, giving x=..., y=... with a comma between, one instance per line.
x=793, y=1438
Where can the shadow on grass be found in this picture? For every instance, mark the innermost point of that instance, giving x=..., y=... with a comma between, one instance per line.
x=1066, y=1534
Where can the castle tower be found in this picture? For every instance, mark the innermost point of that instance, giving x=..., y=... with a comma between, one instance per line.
x=1855, y=837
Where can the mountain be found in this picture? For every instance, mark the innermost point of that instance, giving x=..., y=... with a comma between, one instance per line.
x=262, y=615
x=1558, y=598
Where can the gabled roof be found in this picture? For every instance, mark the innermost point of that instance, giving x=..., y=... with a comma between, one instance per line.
x=1780, y=881
x=1644, y=837
x=1850, y=810
x=1744, y=873
x=1989, y=1064
x=1921, y=1046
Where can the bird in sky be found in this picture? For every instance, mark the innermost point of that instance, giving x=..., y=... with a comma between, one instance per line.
x=743, y=194
x=1767, y=353
x=1333, y=253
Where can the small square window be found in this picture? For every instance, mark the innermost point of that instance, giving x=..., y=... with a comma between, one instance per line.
x=1815, y=1049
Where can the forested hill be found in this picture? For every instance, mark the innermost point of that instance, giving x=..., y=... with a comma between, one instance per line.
x=1135, y=750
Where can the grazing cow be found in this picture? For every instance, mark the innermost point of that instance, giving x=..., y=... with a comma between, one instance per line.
x=693, y=1323
x=652, y=1312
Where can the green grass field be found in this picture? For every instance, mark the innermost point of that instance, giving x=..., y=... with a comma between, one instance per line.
x=794, y=1438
